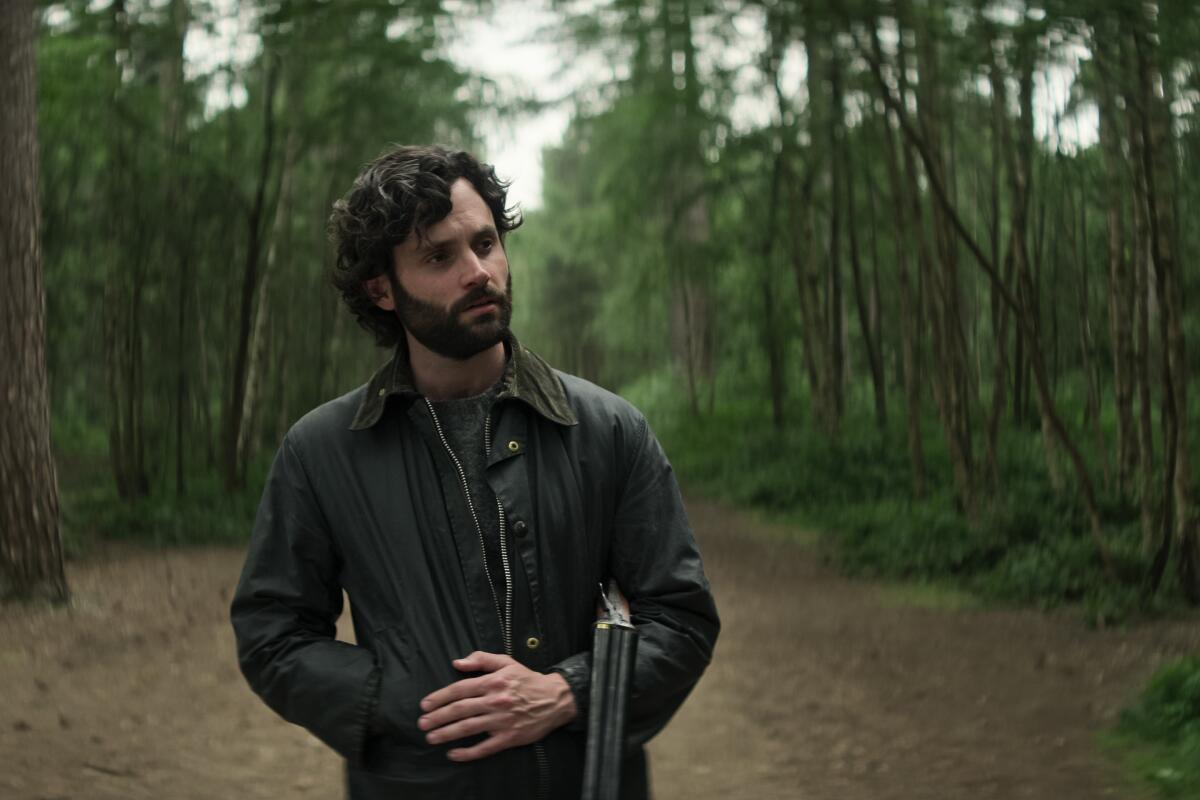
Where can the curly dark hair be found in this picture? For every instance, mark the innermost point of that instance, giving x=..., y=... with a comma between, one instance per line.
x=404, y=190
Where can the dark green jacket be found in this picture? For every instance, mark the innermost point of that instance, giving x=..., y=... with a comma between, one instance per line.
x=361, y=498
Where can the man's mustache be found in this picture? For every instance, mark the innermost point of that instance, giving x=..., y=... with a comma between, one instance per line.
x=480, y=295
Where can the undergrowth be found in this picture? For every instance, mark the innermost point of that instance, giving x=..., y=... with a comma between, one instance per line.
x=1028, y=544
x=204, y=514
x=1159, y=735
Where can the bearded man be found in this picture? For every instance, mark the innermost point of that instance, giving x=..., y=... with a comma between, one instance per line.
x=468, y=499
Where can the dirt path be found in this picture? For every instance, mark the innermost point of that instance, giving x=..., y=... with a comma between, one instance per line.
x=821, y=688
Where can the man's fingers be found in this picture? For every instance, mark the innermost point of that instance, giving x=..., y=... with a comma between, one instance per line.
x=467, y=687
x=489, y=746
x=459, y=690
x=467, y=707
x=483, y=723
x=480, y=661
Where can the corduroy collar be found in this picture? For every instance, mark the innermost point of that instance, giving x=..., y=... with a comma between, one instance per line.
x=526, y=378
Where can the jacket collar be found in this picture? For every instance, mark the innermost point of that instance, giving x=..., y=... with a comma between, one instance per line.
x=526, y=378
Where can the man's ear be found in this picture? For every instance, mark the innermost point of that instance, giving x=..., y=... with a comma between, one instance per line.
x=379, y=289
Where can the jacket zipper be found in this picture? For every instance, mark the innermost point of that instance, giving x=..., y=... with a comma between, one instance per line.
x=504, y=614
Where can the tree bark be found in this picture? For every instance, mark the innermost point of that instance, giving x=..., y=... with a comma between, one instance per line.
x=1120, y=291
x=909, y=320
x=910, y=312
x=772, y=341
x=31, y=558
x=951, y=379
x=235, y=407
x=835, y=312
x=261, y=330
x=874, y=358
x=1155, y=120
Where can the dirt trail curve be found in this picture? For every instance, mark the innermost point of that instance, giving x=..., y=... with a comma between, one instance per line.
x=822, y=688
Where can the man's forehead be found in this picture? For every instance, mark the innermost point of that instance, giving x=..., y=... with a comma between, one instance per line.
x=468, y=211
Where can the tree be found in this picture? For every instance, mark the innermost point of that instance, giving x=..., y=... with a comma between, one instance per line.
x=30, y=546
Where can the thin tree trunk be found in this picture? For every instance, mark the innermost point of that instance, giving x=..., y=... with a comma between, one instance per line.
x=835, y=314
x=1144, y=295
x=1155, y=119
x=951, y=379
x=31, y=557
x=1121, y=293
x=811, y=318
x=909, y=314
x=259, y=334
x=874, y=358
x=233, y=423
x=999, y=311
x=772, y=343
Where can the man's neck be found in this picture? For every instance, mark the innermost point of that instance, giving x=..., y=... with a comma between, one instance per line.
x=441, y=378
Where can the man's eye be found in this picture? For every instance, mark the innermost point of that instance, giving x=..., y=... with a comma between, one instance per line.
x=486, y=245
x=437, y=257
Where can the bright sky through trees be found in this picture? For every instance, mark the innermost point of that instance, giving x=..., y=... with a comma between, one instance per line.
x=515, y=45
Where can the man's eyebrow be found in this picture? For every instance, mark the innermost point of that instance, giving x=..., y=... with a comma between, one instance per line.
x=430, y=245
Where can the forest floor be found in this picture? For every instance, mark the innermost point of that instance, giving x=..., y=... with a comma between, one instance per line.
x=822, y=687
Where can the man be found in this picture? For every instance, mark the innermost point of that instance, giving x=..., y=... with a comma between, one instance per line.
x=469, y=500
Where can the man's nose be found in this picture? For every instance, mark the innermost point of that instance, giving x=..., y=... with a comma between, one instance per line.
x=474, y=273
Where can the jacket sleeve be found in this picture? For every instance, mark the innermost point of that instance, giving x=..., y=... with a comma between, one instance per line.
x=655, y=561
x=284, y=616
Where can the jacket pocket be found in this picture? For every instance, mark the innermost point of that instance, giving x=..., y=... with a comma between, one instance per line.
x=400, y=691
x=398, y=762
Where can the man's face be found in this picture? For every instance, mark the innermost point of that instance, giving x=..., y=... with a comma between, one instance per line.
x=451, y=289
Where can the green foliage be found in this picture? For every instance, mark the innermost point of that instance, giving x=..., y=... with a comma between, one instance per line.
x=206, y=514
x=1160, y=733
x=91, y=511
x=1029, y=545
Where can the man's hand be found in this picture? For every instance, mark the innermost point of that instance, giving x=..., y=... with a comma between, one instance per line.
x=512, y=704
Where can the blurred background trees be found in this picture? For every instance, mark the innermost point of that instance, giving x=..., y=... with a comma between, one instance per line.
x=915, y=272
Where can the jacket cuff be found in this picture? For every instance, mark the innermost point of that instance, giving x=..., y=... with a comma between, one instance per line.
x=577, y=671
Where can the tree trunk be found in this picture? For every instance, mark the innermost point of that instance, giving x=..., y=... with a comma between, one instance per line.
x=951, y=380
x=1155, y=119
x=31, y=558
x=1021, y=178
x=1121, y=294
x=874, y=357
x=772, y=344
x=819, y=280
x=260, y=332
x=234, y=409
x=813, y=340
x=910, y=325
x=835, y=312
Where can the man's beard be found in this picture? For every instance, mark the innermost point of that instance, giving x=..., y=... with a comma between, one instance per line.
x=444, y=333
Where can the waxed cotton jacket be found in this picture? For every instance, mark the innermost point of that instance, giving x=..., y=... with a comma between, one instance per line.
x=363, y=498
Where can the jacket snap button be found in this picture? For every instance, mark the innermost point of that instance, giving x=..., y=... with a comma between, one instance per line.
x=520, y=528
x=382, y=392
x=513, y=446
x=532, y=643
